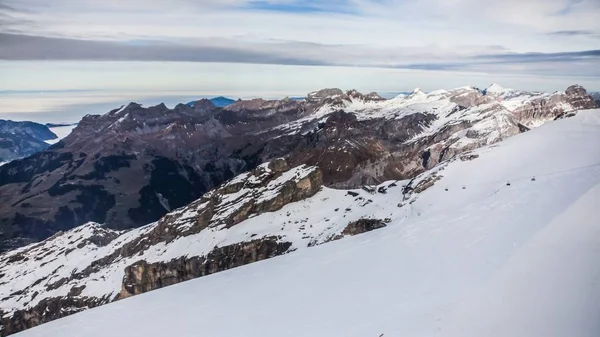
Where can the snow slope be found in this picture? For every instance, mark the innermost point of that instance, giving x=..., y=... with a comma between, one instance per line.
x=469, y=256
x=557, y=298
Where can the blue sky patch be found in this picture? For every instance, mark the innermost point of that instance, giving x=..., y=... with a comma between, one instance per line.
x=306, y=6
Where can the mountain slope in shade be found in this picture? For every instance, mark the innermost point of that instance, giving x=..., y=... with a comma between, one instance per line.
x=21, y=139
x=111, y=168
x=596, y=97
x=504, y=223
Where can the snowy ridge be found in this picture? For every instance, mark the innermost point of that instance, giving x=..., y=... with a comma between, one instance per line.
x=484, y=224
x=441, y=103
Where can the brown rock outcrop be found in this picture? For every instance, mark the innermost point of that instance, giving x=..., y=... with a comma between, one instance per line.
x=142, y=276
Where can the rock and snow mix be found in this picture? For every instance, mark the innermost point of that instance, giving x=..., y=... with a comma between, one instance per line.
x=111, y=168
x=273, y=203
x=500, y=241
x=451, y=106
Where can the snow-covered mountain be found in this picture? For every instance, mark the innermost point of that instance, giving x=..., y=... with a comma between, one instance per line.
x=110, y=169
x=511, y=224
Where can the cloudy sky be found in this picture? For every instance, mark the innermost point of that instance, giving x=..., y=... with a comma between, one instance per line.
x=286, y=47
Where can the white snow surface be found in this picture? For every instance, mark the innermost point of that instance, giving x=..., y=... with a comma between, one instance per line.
x=61, y=132
x=480, y=259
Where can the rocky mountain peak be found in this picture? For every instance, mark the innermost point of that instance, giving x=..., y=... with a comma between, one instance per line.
x=203, y=104
x=320, y=95
x=468, y=96
x=262, y=105
x=576, y=90
x=370, y=97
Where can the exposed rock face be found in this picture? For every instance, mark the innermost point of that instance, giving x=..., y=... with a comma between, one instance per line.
x=46, y=310
x=363, y=226
x=357, y=227
x=22, y=139
x=142, y=277
x=268, y=188
x=112, y=168
x=345, y=152
x=547, y=107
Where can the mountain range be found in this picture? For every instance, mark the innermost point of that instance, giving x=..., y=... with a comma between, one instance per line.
x=133, y=165
x=497, y=234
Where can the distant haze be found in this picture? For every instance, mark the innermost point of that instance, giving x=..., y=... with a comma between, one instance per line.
x=98, y=87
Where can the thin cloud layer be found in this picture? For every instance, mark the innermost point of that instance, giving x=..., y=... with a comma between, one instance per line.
x=553, y=37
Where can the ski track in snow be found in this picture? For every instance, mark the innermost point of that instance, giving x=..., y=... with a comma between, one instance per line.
x=486, y=260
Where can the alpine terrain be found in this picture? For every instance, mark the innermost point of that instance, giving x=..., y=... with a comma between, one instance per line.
x=366, y=203
x=496, y=241
x=135, y=164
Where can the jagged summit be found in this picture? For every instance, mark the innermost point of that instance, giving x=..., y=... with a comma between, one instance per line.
x=576, y=90
x=318, y=95
x=337, y=95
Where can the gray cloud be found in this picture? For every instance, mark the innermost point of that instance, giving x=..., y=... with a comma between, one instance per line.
x=542, y=57
x=9, y=7
x=587, y=33
x=571, y=32
x=24, y=47
x=580, y=63
x=5, y=7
